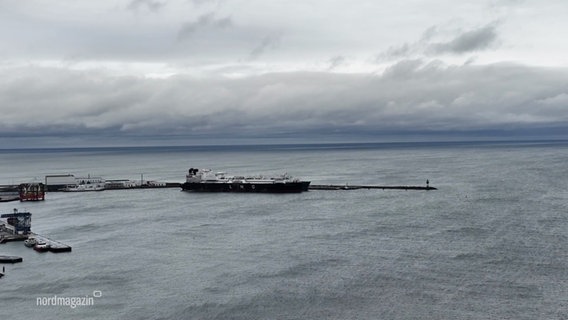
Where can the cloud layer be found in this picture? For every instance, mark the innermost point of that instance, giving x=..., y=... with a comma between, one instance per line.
x=434, y=43
x=410, y=96
x=227, y=68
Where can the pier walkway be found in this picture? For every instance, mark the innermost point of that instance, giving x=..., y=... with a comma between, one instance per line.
x=356, y=187
x=54, y=245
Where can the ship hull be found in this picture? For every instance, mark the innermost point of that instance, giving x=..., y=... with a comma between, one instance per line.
x=290, y=187
x=9, y=193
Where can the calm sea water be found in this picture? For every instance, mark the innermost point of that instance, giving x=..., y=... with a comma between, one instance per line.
x=491, y=243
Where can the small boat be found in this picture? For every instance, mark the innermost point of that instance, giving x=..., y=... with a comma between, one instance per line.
x=41, y=246
x=30, y=242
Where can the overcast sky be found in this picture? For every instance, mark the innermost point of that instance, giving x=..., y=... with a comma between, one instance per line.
x=115, y=72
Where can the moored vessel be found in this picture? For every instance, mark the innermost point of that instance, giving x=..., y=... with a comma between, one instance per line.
x=9, y=193
x=30, y=242
x=41, y=246
x=84, y=187
x=204, y=180
x=69, y=182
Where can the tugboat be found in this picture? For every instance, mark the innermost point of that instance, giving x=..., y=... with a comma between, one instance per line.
x=204, y=180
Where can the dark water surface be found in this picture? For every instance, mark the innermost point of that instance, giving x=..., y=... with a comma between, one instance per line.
x=491, y=243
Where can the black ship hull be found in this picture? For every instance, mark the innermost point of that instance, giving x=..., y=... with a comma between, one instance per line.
x=289, y=187
x=55, y=187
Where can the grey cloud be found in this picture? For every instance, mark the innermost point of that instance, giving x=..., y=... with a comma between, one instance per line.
x=403, y=69
x=429, y=34
x=202, y=2
x=465, y=42
x=469, y=41
x=336, y=61
x=408, y=50
x=151, y=5
x=395, y=52
x=203, y=22
x=410, y=96
x=223, y=22
x=268, y=42
x=505, y=3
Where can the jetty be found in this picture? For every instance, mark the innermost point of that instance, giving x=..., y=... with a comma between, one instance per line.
x=356, y=187
x=18, y=228
x=52, y=245
x=70, y=183
x=10, y=259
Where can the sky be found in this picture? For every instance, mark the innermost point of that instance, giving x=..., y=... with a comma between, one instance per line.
x=184, y=72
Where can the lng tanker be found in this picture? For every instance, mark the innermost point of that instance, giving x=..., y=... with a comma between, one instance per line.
x=204, y=180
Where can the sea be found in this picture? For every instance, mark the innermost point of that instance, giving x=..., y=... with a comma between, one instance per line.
x=490, y=243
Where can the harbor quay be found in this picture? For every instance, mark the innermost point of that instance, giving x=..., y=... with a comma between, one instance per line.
x=16, y=226
x=217, y=182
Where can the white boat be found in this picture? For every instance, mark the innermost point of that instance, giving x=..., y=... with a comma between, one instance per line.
x=87, y=183
x=41, y=246
x=30, y=242
x=84, y=187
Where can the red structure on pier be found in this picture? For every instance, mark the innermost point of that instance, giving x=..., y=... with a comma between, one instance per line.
x=32, y=191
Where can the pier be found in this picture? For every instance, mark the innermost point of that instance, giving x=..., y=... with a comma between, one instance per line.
x=6, y=237
x=70, y=183
x=53, y=245
x=311, y=187
x=356, y=187
x=18, y=228
x=10, y=259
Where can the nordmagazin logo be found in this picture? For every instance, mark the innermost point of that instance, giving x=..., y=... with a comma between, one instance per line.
x=72, y=302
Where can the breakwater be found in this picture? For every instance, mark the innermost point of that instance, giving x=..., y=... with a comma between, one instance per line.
x=357, y=187
x=311, y=187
